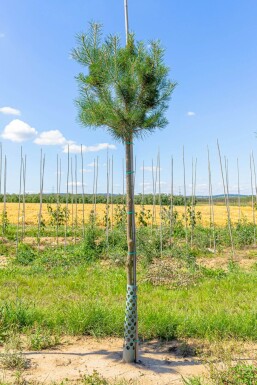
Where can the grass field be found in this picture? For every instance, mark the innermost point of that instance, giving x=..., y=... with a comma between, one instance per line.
x=32, y=210
x=53, y=289
x=60, y=291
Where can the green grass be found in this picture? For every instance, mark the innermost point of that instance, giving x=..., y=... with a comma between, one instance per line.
x=239, y=374
x=89, y=299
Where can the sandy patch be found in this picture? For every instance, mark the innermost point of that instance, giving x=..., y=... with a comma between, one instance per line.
x=159, y=364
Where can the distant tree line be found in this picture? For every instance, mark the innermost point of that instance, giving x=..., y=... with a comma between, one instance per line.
x=148, y=199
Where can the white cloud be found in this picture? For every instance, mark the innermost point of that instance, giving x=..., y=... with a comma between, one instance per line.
x=9, y=110
x=18, y=131
x=51, y=138
x=73, y=148
x=190, y=113
x=76, y=148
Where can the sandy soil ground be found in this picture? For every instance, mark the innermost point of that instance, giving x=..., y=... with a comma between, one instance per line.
x=159, y=364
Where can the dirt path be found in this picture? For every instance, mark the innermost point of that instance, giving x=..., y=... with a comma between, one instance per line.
x=159, y=364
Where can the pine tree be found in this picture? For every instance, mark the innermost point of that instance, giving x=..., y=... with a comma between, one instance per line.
x=124, y=90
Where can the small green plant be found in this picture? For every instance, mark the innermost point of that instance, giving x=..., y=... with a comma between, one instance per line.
x=42, y=339
x=13, y=360
x=42, y=222
x=144, y=217
x=106, y=221
x=94, y=379
x=193, y=217
x=58, y=215
x=12, y=357
x=120, y=215
x=25, y=254
x=4, y=221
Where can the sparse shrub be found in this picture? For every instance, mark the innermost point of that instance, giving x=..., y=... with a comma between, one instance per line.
x=120, y=215
x=148, y=244
x=12, y=357
x=58, y=215
x=42, y=339
x=94, y=379
x=4, y=221
x=243, y=233
x=93, y=244
x=106, y=221
x=13, y=360
x=25, y=254
x=144, y=217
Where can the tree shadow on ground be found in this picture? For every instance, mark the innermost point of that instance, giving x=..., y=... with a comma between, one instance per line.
x=154, y=357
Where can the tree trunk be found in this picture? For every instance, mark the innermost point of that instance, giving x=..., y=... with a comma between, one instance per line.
x=130, y=336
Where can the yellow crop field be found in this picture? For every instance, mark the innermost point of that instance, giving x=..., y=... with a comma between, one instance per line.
x=76, y=211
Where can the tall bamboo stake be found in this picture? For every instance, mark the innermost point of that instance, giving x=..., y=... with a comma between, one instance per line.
x=192, y=205
x=4, y=211
x=42, y=171
x=76, y=197
x=123, y=181
x=72, y=199
x=171, y=202
x=107, y=200
x=226, y=203
x=19, y=204
x=1, y=166
x=154, y=190
x=255, y=180
x=112, y=196
x=238, y=192
x=39, y=211
x=135, y=170
x=24, y=196
x=160, y=203
x=93, y=191
x=60, y=178
x=96, y=184
x=67, y=196
x=194, y=191
x=194, y=167
x=143, y=184
x=253, y=208
x=60, y=175
x=185, y=197
x=211, y=203
x=57, y=200
x=83, y=192
x=255, y=183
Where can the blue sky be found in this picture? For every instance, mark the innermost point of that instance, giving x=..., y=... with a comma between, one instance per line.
x=212, y=54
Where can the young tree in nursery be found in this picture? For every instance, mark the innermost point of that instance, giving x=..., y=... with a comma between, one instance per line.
x=124, y=90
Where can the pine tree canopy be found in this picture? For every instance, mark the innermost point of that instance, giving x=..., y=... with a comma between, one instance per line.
x=125, y=89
